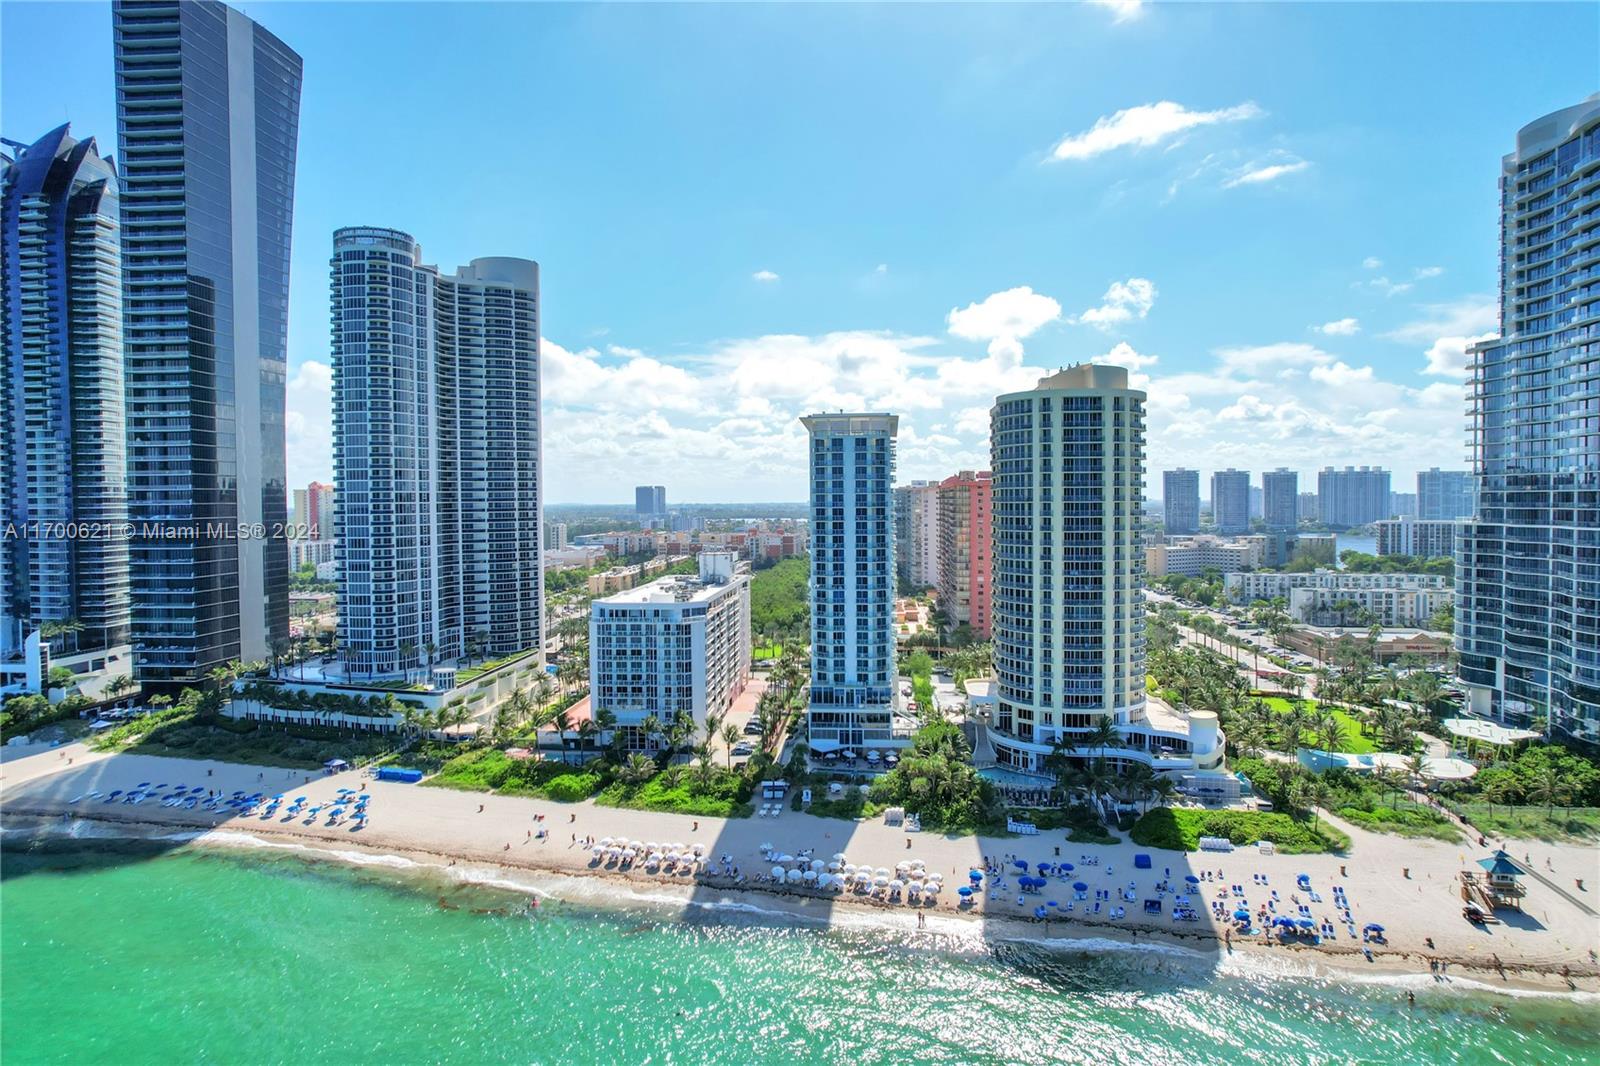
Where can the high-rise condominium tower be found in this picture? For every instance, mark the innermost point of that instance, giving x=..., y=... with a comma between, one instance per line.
x=965, y=564
x=436, y=455
x=852, y=580
x=208, y=113
x=1068, y=461
x=1230, y=500
x=650, y=501
x=1180, y=500
x=1352, y=497
x=1444, y=495
x=1280, y=491
x=61, y=406
x=1528, y=565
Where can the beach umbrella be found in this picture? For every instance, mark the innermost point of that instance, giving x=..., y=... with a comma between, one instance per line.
x=1372, y=927
x=699, y=849
x=833, y=867
x=902, y=866
x=816, y=865
x=933, y=888
x=597, y=852
x=964, y=891
x=918, y=875
x=779, y=872
x=1079, y=886
x=810, y=875
x=1305, y=923
x=1065, y=866
x=1192, y=879
x=1019, y=864
x=838, y=856
x=1052, y=903
x=976, y=875
x=795, y=875
x=850, y=868
x=1241, y=915
x=882, y=871
x=896, y=885
x=880, y=882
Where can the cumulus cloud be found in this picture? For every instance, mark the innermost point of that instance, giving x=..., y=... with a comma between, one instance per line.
x=1004, y=319
x=1422, y=273
x=1339, y=327
x=765, y=276
x=1144, y=126
x=1261, y=173
x=1372, y=262
x=1255, y=359
x=1448, y=357
x=1124, y=355
x=1123, y=301
x=1457, y=318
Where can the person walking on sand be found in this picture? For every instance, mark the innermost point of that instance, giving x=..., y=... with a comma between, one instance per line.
x=480, y=808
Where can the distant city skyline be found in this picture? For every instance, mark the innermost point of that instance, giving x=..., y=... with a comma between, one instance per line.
x=809, y=273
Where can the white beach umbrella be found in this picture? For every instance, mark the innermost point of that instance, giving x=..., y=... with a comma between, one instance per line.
x=833, y=867
x=816, y=864
x=795, y=875
x=880, y=882
x=838, y=857
x=935, y=875
x=918, y=875
x=779, y=872
x=597, y=852
x=913, y=889
x=850, y=868
x=896, y=885
x=699, y=849
x=810, y=875
x=882, y=871
x=901, y=867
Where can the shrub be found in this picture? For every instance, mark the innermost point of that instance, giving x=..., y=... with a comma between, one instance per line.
x=1181, y=830
x=570, y=788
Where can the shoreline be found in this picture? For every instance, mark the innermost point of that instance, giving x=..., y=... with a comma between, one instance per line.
x=1201, y=947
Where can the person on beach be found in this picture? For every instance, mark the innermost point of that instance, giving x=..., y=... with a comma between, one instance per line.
x=480, y=808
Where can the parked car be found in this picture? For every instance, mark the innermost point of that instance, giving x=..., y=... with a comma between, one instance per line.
x=743, y=749
x=753, y=727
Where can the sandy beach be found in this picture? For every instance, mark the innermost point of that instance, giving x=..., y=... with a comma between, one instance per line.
x=1551, y=945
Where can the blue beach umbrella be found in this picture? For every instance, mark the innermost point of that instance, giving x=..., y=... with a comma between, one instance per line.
x=1079, y=886
x=976, y=875
x=1052, y=903
x=1242, y=915
x=964, y=890
x=1067, y=866
x=1305, y=923
x=1020, y=864
x=1192, y=879
x=1372, y=927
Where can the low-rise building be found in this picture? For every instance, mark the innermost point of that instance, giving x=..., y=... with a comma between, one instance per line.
x=1193, y=556
x=1386, y=606
x=573, y=557
x=1415, y=536
x=1320, y=642
x=1249, y=587
x=676, y=646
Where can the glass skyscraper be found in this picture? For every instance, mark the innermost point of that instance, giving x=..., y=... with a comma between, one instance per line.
x=1528, y=563
x=436, y=455
x=852, y=580
x=208, y=113
x=1352, y=496
x=1444, y=495
x=61, y=407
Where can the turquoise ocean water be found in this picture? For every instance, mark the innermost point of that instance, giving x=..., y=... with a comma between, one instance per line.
x=116, y=953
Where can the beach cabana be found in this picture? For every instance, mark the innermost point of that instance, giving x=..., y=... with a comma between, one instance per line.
x=1503, y=876
x=335, y=766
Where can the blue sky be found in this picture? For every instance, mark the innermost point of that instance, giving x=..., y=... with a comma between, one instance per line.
x=1281, y=215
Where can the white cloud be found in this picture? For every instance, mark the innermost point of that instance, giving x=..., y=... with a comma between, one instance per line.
x=1144, y=126
x=1256, y=358
x=1004, y=319
x=1389, y=288
x=765, y=276
x=308, y=423
x=1447, y=356
x=1121, y=10
x=1123, y=301
x=881, y=268
x=1340, y=375
x=1475, y=314
x=1372, y=262
x=1261, y=173
x=1339, y=327
x=1124, y=355
x=1423, y=273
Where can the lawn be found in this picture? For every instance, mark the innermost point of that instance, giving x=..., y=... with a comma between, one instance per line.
x=763, y=652
x=1356, y=740
x=1181, y=829
x=1078, y=820
x=1406, y=819
x=1532, y=823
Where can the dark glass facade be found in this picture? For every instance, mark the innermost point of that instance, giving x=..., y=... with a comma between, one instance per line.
x=63, y=554
x=208, y=117
x=1528, y=563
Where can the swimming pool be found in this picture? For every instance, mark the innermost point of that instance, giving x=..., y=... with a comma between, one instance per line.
x=1009, y=778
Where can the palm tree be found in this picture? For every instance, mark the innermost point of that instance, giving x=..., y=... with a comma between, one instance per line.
x=1139, y=780
x=562, y=720
x=637, y=770
x=408, y=653
x=1318, y=795
x=1332, y=733
x=1548, y=787
x=1163, y=787
x=730, y=737
x=1102, y=735
x=650, y=728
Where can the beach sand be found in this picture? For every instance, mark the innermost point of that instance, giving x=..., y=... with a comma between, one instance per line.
x=441, y=826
